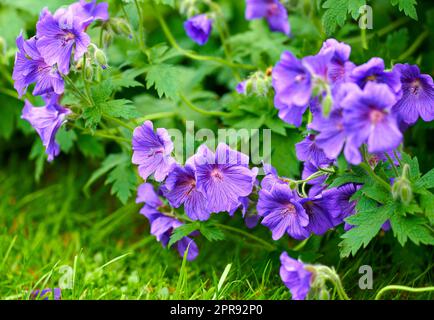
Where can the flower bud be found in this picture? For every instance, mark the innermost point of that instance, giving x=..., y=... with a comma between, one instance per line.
x=122, y=27
x=88, y=72
x=100, y=58
x=402, y=190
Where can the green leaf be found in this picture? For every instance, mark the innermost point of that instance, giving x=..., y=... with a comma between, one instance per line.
x=113, y=160
x=120, y=108
x=427, y=205
x=426, y=182
x=283, y=156
x=90, y=146
x=65, y=138
x=92, y=116
x=413, y=228
x=165, y=78
x=408, y=6
x=39, y=156
x=366, y=226
x=124, y=181
x=211, y=232
x=347, y=178
x=182, y=231
x=377, y=193
x=337, y=12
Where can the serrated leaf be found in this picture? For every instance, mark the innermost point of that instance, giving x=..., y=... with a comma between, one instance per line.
x=165, y=79
x=119, y=108
x=426, y=182
x=65, y=138
x=182, y=231
x=211, y=233
x=90, y=146
x=413, y=228
x=377, y=193
x=347, y=178
x=408, y=6
x=366, y=226
x=113, y=160
x=124, y=182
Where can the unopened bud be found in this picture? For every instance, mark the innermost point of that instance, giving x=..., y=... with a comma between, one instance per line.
x=122, y=27
x=88, y=72
x=100, y=58
x=107, y=39
x=402, y=190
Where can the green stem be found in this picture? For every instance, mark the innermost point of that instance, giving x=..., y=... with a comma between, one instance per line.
x=202, y=111
x=402, y=288
x=413, y=48
x=371, y=172
x=119, y=122
x=76, y=90
x=395, y=169
x=156, y=116
x=193, y=55
x=247, y=235
x=383, y=31
x=85, y=83
x=364, y=39
x=9, y=92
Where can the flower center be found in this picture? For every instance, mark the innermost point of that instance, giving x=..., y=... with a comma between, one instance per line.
x=289, y=209
x=69, y=36
x=415, y=87
x=272, y=9
x=372, y=77
x=216, y=174
x=299, y=78
x=376, y=116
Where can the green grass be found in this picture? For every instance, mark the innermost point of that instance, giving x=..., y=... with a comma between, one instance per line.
x=52, y=224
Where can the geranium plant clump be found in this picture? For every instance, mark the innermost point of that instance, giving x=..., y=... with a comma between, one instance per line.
x=350, y=121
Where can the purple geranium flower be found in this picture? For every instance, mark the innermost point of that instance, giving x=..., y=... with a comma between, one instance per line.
x=332, y=134
x=58, y=36
x=198, y=28
x=340, y=66
x=320, y=220
x=373, y=72
x=272, y=10
x=293, y=86
x=308, y=150
x=45, y=294
x=271, y=178
x=339, y=202
x=30, y=67
x=223, y=177
x=295, y=276
x=418, y=95
x=162, y=225
x=90, y=11
x=46, y=120
x=181, y=189
x=152, y=151
x=367, y=119
x=251, y=218
x=283, y=212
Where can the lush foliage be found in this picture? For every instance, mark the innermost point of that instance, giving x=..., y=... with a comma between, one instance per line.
x=107, y=83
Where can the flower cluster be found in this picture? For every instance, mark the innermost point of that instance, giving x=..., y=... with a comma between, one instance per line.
x=208, y=182
x=45, y=59
x=351, y=105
